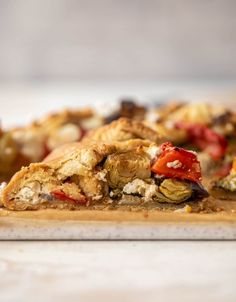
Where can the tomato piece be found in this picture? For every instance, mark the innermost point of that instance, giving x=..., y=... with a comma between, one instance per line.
x=205, y=139
x=224, y=170
x=59, y=194
x=177, y=163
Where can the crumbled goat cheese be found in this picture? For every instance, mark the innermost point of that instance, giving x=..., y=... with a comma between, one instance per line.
x=174, y=164
x=151, y=191
x=138, y=186
x=30, y=193
x=228, y=183
x=232, y=184
x=102, y=175
x=26, y=193
x=154, y=151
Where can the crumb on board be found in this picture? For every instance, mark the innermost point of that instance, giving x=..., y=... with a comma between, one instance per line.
x=186, y=209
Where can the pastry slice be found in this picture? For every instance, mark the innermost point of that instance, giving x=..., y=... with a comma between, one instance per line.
x=207, y=129
x=121, y=130
x=22, y=146
x=225, y=188
x=44, y=135
x=99, y=175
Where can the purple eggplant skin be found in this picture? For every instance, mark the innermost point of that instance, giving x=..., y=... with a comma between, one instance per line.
x=199, y=192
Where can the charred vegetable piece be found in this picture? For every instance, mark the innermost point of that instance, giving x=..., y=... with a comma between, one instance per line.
x=205, y=139
x=129, y=109
x=175, y=190
x=177, y=163
x=198, y=190
x=124, y=167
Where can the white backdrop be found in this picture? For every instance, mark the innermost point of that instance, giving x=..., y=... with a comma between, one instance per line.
x=125, y=39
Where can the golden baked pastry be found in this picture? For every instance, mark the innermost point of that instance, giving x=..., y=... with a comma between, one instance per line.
x=121, y=130
x=24, y=145
x=96, y=174
x=46, y=134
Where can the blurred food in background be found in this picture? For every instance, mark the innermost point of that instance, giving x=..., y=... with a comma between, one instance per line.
x=203, y=128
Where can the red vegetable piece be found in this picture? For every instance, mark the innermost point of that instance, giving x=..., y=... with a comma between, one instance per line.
x=224, y=170
x=59, y=194
x=205, y=139
x=176, y=162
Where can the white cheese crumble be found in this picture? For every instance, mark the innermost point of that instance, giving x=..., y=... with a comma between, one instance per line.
x=102, y=175
x=174, y=164
x=232, y=184
x=154, y=151
x=138, y=186
x=30, y=193
x=26, y=193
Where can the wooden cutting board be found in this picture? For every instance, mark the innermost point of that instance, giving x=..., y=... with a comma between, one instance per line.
x=118, y=224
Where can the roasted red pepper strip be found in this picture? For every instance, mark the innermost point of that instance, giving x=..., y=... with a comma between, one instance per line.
x=224, y=170
x=59, y=194
x=176, y=162
x=205, y=139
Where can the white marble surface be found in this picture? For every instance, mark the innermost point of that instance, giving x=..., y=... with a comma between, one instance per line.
x=25, y=229
x=117, y=271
